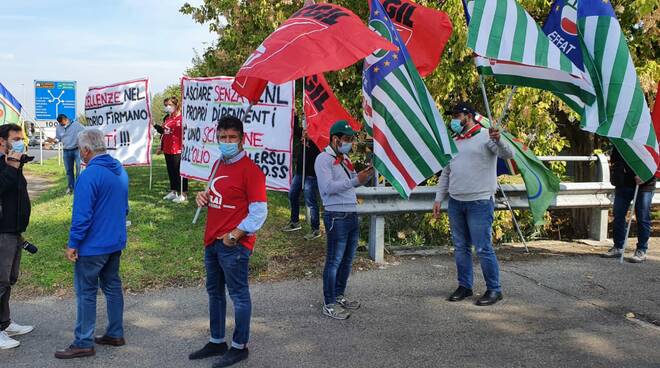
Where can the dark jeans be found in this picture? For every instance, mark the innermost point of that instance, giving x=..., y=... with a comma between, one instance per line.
x=173, y=163
x=623, y=196
x=228, y=266
x=311, y=188
x=471, y=222
x=71, y=162
x=89, y=273
x=343, y=230
x=10, y=259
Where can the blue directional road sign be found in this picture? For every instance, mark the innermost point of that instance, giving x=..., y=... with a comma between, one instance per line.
x=54, y=98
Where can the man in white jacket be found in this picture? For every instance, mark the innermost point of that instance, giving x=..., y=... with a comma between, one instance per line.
x=469, y=183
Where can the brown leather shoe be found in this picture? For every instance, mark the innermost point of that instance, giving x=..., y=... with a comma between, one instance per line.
x=74, y=352
x=112, y=341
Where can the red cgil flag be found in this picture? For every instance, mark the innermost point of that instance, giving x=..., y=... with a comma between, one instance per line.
x=250, y=88
x=424, y=30
x=316, y=39
x=322, y=109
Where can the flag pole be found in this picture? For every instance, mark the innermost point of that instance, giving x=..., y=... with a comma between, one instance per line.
x=507, y=104
x=625, y=241
x=215, y=169
x=490, y=117
x=304, y=152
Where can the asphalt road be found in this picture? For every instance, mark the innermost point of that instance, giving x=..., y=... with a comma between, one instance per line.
x=34, y=151
x=560, y=311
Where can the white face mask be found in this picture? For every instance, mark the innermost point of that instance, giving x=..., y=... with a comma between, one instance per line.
x=169, y=109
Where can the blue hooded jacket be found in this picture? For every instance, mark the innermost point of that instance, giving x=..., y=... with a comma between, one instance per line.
x=100, y=206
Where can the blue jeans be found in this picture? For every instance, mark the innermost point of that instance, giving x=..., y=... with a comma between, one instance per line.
x=471, y=223
x=343, y=230
x=622, y=198
x=71, y=161
x=311, y=188
x=228, y=266
x=89, y=273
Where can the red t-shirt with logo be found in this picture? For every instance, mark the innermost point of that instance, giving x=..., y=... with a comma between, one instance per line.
x=172, y=135
x=232, y=189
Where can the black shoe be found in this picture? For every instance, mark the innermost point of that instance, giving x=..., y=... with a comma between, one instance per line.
x=460, y=294
x=489, y=298
x=209, y=350
x=232, y=357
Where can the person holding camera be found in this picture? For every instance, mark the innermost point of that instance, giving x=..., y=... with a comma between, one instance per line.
x=67, y=133
x=14, y=219
x=96, y=240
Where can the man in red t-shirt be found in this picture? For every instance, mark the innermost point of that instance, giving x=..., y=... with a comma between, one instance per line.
x=236, y=200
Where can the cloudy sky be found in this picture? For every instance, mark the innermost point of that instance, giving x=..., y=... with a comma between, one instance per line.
x=95, y=43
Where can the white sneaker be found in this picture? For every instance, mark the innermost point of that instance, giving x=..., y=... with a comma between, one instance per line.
x=180, y=199
x=15, y=329
x=7, y=342
x=170, y=196
x=639, y=257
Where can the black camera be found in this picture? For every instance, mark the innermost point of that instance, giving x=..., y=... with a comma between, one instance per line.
x=29, y=247
x=23, y=160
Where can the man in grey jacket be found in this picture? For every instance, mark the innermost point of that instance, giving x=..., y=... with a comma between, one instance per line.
x=67, y=133
x=469, y=182
x=337, y=180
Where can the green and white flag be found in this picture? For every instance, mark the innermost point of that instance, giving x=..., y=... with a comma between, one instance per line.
x=511, y=47
x=622, y=109
x=411, y=142
x=10, y=108
x=594, y=42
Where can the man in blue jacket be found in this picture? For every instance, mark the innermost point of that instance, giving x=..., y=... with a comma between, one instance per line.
x=96, y=240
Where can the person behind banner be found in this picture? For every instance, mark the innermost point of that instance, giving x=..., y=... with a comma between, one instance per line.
x=470, y=182
x=625, y=181
x=306, y=156
x=66, y=132
x=96, y=240
x=171, y=145
x=15, y=210
x=337, y=182
x=237, y=209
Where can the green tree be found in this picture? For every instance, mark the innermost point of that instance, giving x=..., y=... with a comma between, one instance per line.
x=157, y=110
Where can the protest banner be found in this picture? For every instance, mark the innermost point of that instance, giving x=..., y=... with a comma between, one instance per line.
x=268, y=127
x=122, y=111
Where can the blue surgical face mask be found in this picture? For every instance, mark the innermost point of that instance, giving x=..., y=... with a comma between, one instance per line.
x=228, y=150
x=18, y=146
x=456, y=126
x=345, y=148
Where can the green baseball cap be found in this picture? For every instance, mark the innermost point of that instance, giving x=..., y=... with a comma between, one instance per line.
x=342, y=127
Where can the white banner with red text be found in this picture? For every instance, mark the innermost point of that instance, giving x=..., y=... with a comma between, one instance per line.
x=122, y=111
x=268, y=128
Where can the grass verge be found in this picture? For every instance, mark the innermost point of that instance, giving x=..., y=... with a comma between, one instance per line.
x=164, y=248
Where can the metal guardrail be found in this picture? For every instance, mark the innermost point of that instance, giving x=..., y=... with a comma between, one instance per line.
x=378, y=202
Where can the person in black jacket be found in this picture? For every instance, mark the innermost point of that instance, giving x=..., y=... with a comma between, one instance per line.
x=311, y=185
x=625, y=181
x=14, y=218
